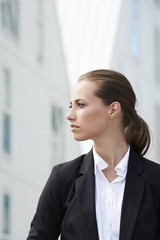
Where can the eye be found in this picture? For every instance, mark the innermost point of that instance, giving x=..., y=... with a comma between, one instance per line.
x=81, y=105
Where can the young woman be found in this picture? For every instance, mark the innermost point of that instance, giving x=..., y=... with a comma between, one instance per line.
x=112, y=192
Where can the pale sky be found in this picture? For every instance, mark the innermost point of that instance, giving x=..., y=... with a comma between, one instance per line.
x=88, y=30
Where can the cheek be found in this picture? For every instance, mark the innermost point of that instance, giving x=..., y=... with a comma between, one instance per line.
x=88, y=116
x=94, y=118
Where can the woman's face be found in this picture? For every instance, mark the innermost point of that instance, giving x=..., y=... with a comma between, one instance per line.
x=88, y=114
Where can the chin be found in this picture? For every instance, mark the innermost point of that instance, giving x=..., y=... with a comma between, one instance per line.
x=80, y=138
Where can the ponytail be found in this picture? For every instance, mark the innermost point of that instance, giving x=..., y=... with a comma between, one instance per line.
x=137, y=134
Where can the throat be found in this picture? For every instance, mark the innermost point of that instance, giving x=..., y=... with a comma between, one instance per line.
x=110, y=174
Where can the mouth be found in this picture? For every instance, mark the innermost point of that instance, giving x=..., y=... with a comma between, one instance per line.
x=74, y=127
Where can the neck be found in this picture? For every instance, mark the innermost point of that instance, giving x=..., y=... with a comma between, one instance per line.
x=111, y=150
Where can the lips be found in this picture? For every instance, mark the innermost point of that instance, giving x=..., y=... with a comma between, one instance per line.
x=74, y=127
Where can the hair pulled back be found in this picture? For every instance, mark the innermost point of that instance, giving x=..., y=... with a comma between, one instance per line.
x=113, y=86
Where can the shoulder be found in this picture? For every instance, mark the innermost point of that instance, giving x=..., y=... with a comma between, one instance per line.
x=70, y=167
x=68, y=170
x=151, y=174
x=149, y=163
x=63, y=175
x=148, y=170
x=144, y=167
x=143, y=164
x=151, y=168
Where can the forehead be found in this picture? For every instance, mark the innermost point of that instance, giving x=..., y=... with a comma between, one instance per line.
x=84, y=89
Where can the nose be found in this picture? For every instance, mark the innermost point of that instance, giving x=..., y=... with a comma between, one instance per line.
x=71, y=115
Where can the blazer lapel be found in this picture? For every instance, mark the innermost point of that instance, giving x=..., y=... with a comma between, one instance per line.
x=133, y=194
x=85, y=192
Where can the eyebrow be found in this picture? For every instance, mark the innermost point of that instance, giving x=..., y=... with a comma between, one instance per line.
x=78, y=99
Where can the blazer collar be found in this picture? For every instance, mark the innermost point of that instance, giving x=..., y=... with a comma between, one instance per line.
x=88, y=163
x=85, y=192
x=134, y=165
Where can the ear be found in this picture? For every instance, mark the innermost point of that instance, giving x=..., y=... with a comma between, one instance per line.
x=114, y=110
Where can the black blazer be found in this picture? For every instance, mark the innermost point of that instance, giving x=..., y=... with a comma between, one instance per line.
x=67, y=203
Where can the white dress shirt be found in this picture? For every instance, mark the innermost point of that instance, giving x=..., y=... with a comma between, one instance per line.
x=109, y=197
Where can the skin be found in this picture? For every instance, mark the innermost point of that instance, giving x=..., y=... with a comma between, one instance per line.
x=91, y=119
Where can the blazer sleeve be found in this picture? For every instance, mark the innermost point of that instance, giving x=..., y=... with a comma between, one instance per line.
x=46, y=224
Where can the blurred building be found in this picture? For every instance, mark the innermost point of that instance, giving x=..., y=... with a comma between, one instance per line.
x=123, y=35
x=136, y=53
x=34, y=99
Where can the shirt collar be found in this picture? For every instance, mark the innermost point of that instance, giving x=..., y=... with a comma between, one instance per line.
x=121, y=168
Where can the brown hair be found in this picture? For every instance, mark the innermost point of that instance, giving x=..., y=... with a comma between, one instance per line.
x=114, y=86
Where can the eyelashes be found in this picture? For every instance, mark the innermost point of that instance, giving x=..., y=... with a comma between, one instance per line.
x=81, y=105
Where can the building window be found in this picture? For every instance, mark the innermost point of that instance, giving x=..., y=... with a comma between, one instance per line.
x=6, y=214
x=56, y=120
x=57, y=151
x=6, y=133
x=40, y=46
x=9, y=16
x=6, y=111
x=57, y=142
x=7, y=88
x=134, y=34
x=157, y=54
x=157, y=2
x=40, y=8
x=40, y=32
x=157, y=130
